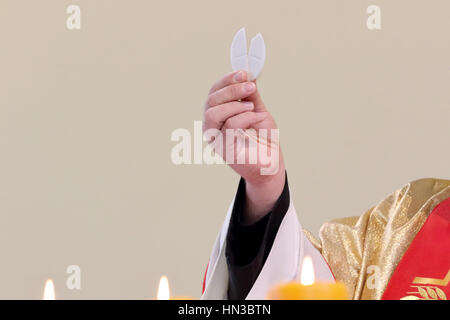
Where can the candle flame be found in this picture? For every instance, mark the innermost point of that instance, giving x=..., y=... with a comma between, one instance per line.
x=307, y=274
x=49, y=290
x=163, y=289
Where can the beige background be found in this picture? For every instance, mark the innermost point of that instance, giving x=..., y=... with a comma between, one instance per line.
x=86, y=118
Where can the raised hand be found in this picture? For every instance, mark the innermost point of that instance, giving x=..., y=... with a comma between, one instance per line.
x=246, y=136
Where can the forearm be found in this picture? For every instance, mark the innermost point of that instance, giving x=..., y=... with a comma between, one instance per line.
x=262, y=195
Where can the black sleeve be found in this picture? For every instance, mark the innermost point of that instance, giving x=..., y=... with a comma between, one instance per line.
x=248, y=246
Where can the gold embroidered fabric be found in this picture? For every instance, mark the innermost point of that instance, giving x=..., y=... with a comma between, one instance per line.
x=357, y=247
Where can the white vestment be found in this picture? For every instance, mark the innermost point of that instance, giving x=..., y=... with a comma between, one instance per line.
x=283, y=263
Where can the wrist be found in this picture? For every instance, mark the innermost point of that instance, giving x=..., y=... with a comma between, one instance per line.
x=261, y=196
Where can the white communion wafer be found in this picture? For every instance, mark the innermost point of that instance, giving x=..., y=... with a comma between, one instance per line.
x=256, y=56
x=253, y=63
x=239, y=60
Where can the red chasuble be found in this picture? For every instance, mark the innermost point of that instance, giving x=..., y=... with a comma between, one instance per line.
x=424, y=271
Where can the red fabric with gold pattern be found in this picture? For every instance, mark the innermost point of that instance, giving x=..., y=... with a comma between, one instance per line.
x=424, y=271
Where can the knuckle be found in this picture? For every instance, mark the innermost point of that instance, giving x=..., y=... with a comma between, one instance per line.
x=208, y=115
x=228, y=124
x=229, y=78
x=211, y=100
x=211, y=116
x=232, y=123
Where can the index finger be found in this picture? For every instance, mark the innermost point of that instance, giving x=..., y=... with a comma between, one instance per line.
x=231, y=78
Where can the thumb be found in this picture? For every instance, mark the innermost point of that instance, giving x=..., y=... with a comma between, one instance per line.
x=257, y=101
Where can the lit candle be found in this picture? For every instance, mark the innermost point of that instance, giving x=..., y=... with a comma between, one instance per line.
x=49, y=290
x=307, y=288
x=164, y=291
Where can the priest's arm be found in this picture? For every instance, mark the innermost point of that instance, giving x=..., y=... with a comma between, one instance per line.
x=261, y=242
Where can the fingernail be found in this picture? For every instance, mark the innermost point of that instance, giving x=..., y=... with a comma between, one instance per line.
x=249, y=86
x=248, y=104
x=239, y=76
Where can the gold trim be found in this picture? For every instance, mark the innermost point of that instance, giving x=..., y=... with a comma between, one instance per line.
x=437, y=282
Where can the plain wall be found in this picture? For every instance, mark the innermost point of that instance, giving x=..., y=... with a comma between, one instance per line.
x=86, y=118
